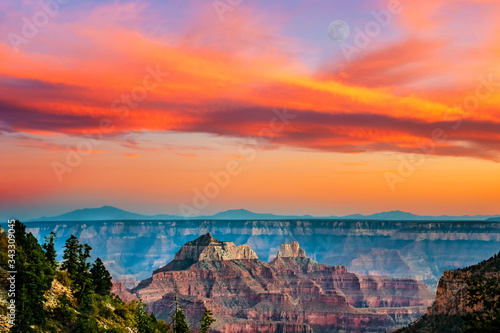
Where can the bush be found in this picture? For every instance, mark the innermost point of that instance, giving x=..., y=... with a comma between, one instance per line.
x=105, y=311
x=63, y=278
x=64, y=312
x=116, y=330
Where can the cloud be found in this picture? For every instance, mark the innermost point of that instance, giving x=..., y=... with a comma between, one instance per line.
x=227, y=80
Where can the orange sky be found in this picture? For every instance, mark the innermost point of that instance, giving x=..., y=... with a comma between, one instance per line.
x=173, y=93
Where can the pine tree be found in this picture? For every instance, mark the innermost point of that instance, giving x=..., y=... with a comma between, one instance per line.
x=34, y=277
x=50, y=250
x=71, y=255
x=179, y=323
x=206, y=321
x=75, y=256
x=148, y=323
x=144, y=322
x=83, y=280
x=86, y=321
x=19, y=233
x=101, y=279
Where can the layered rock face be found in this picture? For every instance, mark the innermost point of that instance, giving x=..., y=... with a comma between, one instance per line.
x=119, y=289
x=131, y=250
x=208, y=248
x=451, y=294
x=292, y=250
x=292, y=293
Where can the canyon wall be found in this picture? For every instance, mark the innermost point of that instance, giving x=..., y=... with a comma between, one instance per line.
x=420, y=250
x=292, y=293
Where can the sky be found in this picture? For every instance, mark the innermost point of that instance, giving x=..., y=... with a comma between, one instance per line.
x=195, y=107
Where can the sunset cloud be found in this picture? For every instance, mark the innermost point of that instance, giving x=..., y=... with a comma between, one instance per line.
x=123, y=70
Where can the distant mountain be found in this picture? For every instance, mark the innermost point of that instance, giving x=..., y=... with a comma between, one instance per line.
x=405, y=216
x=102, y=213
x=392, y=215
x=113, y=213
x=243, y=214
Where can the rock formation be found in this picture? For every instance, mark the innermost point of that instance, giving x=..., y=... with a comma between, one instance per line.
x=131, y=250
x=119, y=289
x=292, y=293
x=291, y=250
x=452, y=298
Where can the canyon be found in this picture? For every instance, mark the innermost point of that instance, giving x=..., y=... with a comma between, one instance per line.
x=420, y=250
x=291, y=293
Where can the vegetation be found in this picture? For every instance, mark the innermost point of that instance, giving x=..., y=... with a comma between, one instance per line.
x=483, y=295
x=436, y=323
x=179, y=324
x=101, y=278
x=34, y=277
x=206, y=321
x=50, y=250
x=490, y=265
x=80, y=292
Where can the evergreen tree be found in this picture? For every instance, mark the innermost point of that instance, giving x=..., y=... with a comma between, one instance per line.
x=19, y=233
x=101, y=279
x=148, y=323
x=83, y=281
x=86, y=320
x=75, y=256
x=144, y=323
x=34, y=277
x=50, y=250
x=71, y=255
x=206, y=321
x=179, y=323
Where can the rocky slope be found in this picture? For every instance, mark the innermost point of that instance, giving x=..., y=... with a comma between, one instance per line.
x=291, y=293
x=452, y=298
x=419, y=250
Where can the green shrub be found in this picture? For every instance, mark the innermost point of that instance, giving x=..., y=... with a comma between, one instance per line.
x=63, y=278
x=64, y=311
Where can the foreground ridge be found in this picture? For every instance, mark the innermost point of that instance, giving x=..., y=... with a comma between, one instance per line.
x=466, y=298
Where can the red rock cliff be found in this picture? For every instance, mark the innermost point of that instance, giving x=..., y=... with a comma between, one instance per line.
x=290, y=294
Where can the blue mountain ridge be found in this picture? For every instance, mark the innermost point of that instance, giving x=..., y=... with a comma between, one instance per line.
x=113, y=213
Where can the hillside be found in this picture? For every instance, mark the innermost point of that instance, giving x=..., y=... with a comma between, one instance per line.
x=73, y=296
x=467, y=300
